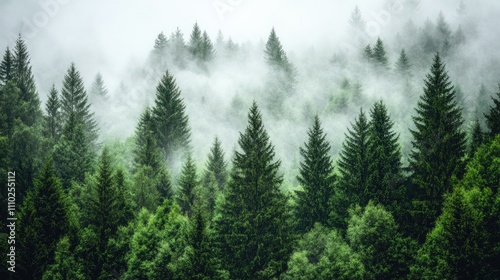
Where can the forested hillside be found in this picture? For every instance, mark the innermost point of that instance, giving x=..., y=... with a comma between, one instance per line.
x=378, y=158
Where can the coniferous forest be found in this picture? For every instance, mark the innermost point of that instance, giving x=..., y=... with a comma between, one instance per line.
x=373, y=157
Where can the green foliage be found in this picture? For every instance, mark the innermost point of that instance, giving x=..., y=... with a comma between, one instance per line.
x=169, y=118
x=253, y=233
x=316, y=178
x=493, y=117
x=438, y=147
x=353, y=163
x=323, y=254
x=403, y=66
x=98, y=91
x=372, y=233
x=146, y=151
x=379, y=54
x=188, y=181
x=43, y=220
x=6, y=67
x=216, y=166
x=476, y=138
x=65, y=266
x=53, y=121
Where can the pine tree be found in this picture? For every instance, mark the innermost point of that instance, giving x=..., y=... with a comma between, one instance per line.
x=6, y=67
x=403, y=65
x=493, y=117
x=379, y=54
x=146, y=151
x=385, y=179
x=216, y=166
x=253, y=232
x=275, y=55
x=161, y=42
x=98, y=91
x=43, y=219
x=196, y=42
x=65, y=266
x=316, y=178
x=187, y=183
x=74, y=101
x=169, y=117
x=476, y=139
x=368, y=53
x=356, y=20
x=53, y=123
x=442, y=27
x=353, y=164
x=178, y=48
x=207, y=52
x=438, y=146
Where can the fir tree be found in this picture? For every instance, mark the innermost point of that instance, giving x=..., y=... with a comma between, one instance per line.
x=252, y=227
x=207, y=51
x=74, y=101
x=196, y=42
x=187, y=183
x=438, y=146
x=43, y=219
x=368, y=53
x=353, y=165
x=169, y=117
x=6, y=67
x=379, y=54
x=316, y=178
x=161, y=42
x=216, y=166
x=275, y=55
x=356, y=20
x=476, y=138
x=178, y=47
x=146, y=152
x=53, y=122
x=403, y=65
x=493, y=117
x=98, y=91
x=442, y=27
x=385, y=179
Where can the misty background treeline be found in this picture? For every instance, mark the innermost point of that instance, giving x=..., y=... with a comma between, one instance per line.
x=242, y=161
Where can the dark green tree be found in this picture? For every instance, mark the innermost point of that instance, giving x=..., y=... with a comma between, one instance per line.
x=253, y=229
x=161, y=42
x=195, y=45
x=65, y=267
x=275, y=55
x=6, y=67
x=146, y=150
x=476, y=138
x=379, y=54
x=353, y=164
x=316, y=178
x=74, y=101
x=207, y=52
x=169, y=118
x=188, y=181
x=43, y=219
x=385, y=169
x=53, y=122
x=368, y=53
x=216, y=166
x=438, y=147
x=493, y=117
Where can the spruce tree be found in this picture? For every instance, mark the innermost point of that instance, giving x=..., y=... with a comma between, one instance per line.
x=161, y=42
x=98, y=91
x=169, y=117
x=43, y=219
x=74, y=101
x=438, y=146
x=196, y=42
x=216, y=166
x=403, y=65
x=6, y=67
x=356, y=20
x=178, y=48
x=53, y=122
x=385, y=179
x=368, y=53
x=275, y=55
x=476, y=138
x=188, y=181
x=316, y=178
x=353, y=164
x=207, y=51
x=493, y=117
x=254, y=235
x=379, y=54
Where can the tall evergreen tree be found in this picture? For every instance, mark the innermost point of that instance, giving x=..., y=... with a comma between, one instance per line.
x=316, y=178
x=98, y=91
x=438, y=146
x=146, y=150
x=493, y=117
x=74, y=101
x=385, y=179
x=379, y=54
x=356, y=20
x=275, y=55
x=178, y=48
x=368, y=53
x=6, y=67
x=187, y=183
x=161, y=42
x=403, y=65
x=53, y=122
x=253, y=229
x=169, y=117
x=207, y=52
x=43, y=219
x=476, y=138
x=196, y=42
x=216, y=166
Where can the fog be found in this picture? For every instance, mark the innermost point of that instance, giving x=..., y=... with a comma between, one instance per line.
x=116, y=38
